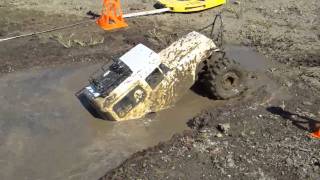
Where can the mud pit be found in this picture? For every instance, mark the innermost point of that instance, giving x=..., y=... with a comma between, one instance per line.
x=46, y=134
x=39, y=127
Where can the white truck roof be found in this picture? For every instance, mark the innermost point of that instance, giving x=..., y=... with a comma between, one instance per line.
x=141, y=59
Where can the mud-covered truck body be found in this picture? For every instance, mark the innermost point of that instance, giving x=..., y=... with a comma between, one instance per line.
x=142, y=81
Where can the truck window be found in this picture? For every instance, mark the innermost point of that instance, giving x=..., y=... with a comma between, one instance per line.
x=164, y=68
x=130, y=101
x=154, y=78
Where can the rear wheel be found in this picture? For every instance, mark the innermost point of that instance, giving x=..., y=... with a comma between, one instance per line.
x=221, y=78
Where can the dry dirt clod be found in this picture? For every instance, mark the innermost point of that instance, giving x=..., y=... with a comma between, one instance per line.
x=236, y=2
x=219, y=135
x=307, y=103
x=224, y=128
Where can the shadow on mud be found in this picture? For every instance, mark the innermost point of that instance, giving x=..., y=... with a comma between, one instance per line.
x=312, y=124
x=199, y=89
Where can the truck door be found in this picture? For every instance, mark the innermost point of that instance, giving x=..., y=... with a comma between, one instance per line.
x=130, y=101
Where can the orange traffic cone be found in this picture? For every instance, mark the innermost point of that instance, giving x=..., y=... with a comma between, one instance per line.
x=316, y=134
x=111, y=17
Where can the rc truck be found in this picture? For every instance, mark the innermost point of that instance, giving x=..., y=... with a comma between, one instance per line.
x=143, y=81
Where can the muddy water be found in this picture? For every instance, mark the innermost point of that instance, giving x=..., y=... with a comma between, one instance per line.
x=46, y=134
x=248, y=58
x=257, y=66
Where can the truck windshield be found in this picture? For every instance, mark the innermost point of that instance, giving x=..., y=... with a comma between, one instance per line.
x=109, y=77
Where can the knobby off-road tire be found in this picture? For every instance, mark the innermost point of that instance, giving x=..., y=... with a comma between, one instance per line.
x=221, y=78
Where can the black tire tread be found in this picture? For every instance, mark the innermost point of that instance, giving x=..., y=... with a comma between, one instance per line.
x=210, y=73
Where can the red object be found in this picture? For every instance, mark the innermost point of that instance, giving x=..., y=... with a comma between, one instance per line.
x=316, y=134
x=111, y=16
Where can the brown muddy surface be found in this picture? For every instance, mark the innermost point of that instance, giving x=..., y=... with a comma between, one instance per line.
x=45, y=133
x=39, y=127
